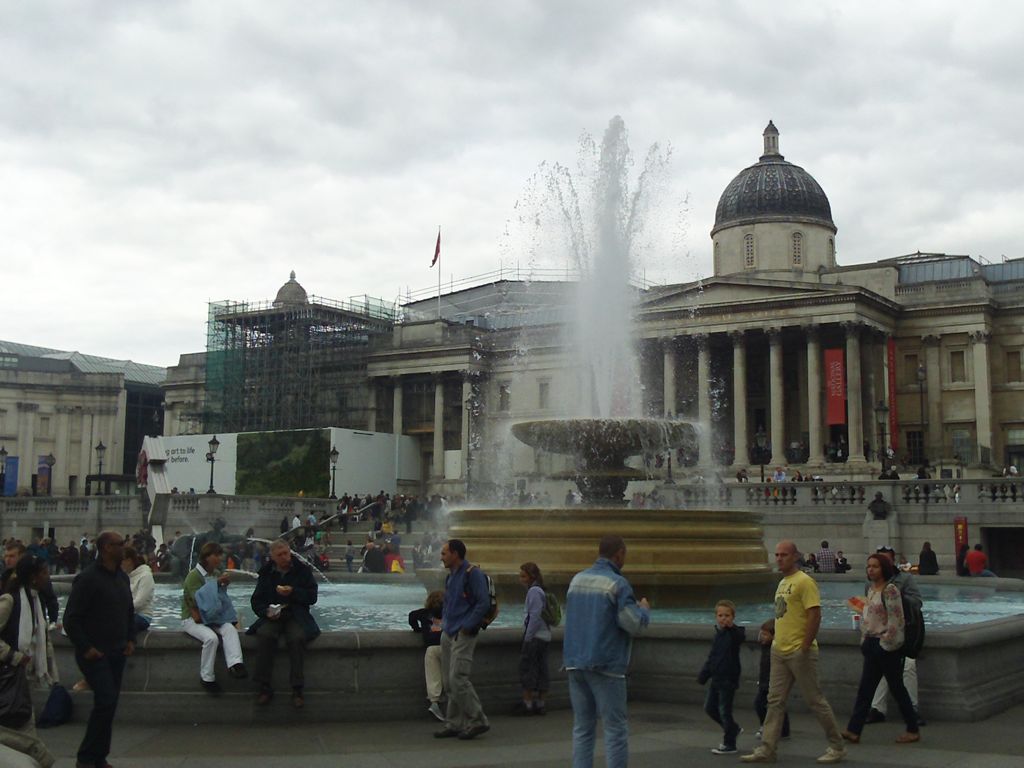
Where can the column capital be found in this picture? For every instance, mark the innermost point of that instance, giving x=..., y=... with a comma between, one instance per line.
x=738, y=338
x=703, y=340
x=853, y=329
x=27, y=407
x=774, y=335
x=812, y=331
x=668, y=343
x=931, y=340
x=980, y=337
x=64, y=409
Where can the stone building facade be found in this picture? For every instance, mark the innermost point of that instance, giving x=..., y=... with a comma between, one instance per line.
x=62, y=405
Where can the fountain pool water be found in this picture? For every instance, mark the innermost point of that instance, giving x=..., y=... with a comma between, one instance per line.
x=374, y=607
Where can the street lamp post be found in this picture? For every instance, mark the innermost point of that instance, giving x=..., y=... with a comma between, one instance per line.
x=761, y=441
x=922, y=374
x=882, y=414
x=101, y=451
x=212, y=458
x=3, y=469
x=334, y=469
x=50, y=460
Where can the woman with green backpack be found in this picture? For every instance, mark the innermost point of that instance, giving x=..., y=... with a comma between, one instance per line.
x=538, y=617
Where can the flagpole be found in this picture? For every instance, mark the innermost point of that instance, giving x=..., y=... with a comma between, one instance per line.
x=439, y=273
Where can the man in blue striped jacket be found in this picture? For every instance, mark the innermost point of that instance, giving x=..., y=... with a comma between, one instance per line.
x=601, y=617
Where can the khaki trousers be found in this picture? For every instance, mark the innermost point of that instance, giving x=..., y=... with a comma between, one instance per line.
x=464, y=710
x=801, y=668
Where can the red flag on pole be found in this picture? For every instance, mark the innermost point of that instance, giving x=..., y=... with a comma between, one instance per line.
x=437, y=248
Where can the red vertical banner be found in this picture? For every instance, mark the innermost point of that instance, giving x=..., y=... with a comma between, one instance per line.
x=959, y=533
x=835, y=387
x=894, y=421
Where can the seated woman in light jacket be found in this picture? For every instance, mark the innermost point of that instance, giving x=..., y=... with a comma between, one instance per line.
x=208, y=567
x=25, y=641
x=141, y=577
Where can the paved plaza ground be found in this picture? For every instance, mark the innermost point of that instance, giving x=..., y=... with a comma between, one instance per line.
x=662, y=735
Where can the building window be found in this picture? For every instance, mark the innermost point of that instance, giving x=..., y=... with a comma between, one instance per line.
x=8, y=361
x=543, y=395
x=44, y=426
x=1013, y=373
x=798, y=249
x=915, y=446
x=831, y=252
x=748, y=251
x=504, y=397
x=963, y=445
x=957, y=369
x=910, y=363
x=718, y=257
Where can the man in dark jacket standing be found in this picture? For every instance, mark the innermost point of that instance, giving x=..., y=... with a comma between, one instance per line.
x=284, y=593
x=100, y=622
x=466, y=602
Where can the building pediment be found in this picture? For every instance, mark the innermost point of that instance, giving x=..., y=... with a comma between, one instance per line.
x=731, y=290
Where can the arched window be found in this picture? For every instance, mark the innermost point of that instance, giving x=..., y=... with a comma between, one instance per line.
x=798, y=249
x=718, y=257
x=831, y=252
x=748, y=251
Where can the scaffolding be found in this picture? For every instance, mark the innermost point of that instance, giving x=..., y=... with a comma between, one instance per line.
x=291, y=365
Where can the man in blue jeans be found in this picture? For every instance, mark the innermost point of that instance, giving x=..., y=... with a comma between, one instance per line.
x=601, y=617
x=100, y=622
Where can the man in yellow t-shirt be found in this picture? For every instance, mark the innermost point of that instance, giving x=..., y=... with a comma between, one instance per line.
x=795, y=659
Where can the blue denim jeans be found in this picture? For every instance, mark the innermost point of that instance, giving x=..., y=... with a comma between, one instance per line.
x=718, y=706
x=594, y=694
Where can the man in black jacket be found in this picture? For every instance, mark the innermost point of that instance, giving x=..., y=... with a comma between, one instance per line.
x=100, y=622
x=284, y=593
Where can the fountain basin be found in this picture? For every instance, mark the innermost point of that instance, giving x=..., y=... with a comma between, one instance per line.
x=675, y=557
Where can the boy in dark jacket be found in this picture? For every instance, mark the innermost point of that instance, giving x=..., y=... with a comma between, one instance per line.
x=723, y=670
x=765, y=638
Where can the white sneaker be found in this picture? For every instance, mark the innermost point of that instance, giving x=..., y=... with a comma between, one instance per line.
x=722, y=749
x=435, y=710
x=833, y=755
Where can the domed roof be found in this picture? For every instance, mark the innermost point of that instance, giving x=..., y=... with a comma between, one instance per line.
x=772, y=190
x=291, y=293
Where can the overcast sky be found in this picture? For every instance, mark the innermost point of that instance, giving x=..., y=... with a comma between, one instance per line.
x=156, y=155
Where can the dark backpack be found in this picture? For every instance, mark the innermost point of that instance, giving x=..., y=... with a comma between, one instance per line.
x=58, y=708
x=492, y=609
x=551, y=613
x=913, y=629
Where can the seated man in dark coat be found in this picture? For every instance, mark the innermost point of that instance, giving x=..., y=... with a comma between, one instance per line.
x=284, y=592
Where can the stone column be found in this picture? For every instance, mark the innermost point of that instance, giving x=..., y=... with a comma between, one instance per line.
x=396, y=405
x=438, y=428
x=62, y=452
x=778, y=417
x=85, y=452
x=704, y=398
x=982, y=392
x=669, y=389
x=741, y=440
x=854, y=405
x=371, y=407
x=815, y=438
x=26, y=444
x=467, y=396
x=933, y=448
x=870, y=395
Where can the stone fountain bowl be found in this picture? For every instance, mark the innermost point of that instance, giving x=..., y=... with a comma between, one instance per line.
x=604, y=442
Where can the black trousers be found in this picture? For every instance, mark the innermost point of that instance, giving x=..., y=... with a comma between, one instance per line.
x=879, y=663
x=266, y=644
x=761, y=707
x=104, y=678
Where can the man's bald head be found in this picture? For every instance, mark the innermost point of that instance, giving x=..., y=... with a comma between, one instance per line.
x=785, y=557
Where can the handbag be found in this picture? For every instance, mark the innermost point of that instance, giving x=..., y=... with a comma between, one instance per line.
x=58, y=708
x=15, y=697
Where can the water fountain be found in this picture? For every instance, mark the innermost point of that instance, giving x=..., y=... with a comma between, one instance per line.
x=676, y=556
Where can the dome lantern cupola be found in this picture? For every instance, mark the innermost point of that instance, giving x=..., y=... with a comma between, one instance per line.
x=771, y=143
x=291, y=294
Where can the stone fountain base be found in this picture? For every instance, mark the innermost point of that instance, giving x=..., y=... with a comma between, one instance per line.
x=675, y=557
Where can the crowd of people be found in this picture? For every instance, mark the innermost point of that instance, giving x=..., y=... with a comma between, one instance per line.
x=111, y=602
